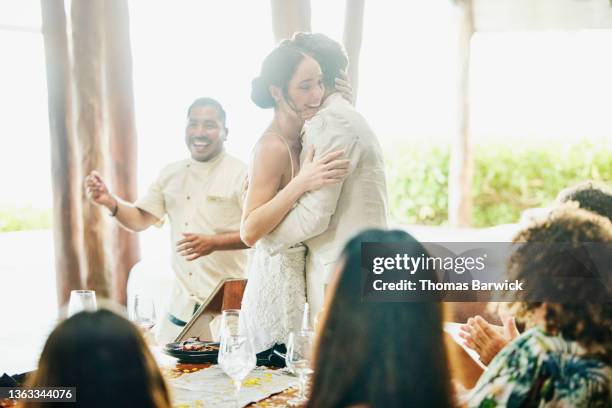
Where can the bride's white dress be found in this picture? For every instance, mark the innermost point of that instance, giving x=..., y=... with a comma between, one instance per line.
x=274, y=297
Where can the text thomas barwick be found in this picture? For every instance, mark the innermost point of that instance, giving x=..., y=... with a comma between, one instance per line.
x=429, y=285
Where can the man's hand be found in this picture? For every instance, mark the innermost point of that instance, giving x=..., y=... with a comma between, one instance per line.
x=97, y=192
x=194, y=246
x=344, y=87
x=488, y=339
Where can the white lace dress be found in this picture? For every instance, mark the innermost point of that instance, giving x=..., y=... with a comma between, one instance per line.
x=275, y=294
x=274, y=297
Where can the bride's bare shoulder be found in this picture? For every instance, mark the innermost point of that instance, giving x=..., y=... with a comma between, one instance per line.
x=270, y=146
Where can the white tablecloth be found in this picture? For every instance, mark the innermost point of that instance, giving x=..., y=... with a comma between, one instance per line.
x=211, y=387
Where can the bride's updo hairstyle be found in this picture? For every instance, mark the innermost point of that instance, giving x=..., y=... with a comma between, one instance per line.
x=277, y=69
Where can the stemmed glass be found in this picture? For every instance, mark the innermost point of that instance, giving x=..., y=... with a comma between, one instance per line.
x=299, y=360
x=142, y=312
x=82, y=300
x=230, y=322
x=237, y=359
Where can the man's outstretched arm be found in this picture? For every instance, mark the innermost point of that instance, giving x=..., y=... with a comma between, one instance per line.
x=127, y=214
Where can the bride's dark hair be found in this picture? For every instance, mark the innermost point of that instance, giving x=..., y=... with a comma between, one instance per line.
x=277, y=69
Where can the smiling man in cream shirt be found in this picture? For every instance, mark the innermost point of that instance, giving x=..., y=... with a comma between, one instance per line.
x=202, y=197
x=325, y=219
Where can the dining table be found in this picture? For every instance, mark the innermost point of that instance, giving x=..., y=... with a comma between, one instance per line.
x=275, y=386
x=180, y=369
x=178, y=373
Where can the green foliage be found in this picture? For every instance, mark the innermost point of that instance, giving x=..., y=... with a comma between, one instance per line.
x=418, y=182
x=507, y=180
x=19, y=219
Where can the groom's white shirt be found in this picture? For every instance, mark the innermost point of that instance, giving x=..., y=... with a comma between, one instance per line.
x=325, y=219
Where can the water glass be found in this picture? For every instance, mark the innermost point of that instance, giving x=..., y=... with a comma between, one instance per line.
x=237, y=359
x=299, y=360
x=143, y=313
x=230, y=323
x=82, y=300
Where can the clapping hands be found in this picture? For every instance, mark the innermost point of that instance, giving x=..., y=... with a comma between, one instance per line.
x=488, y=339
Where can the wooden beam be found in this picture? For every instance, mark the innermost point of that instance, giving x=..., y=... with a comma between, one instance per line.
x=462, y=163
x=87, y=41
x=353, y=34
x=65, y=177
x=122, y=135
x=288, y=17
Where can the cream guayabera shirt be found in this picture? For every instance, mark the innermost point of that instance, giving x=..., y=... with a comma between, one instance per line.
x=325, y=219
x=203, y=198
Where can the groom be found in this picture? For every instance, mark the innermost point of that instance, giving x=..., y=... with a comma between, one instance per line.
x=325, y=219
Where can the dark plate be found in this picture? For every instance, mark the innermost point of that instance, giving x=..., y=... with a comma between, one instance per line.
x=175, y=350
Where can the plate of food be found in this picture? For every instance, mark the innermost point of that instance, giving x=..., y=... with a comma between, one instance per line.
x=193, y=350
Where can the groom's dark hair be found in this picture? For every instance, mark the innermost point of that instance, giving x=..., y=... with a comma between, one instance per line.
x=330, y=54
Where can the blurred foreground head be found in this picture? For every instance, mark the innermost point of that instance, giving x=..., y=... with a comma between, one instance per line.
x=590, y=196
x=567, y=274
x=379, y=354
x=105, y=357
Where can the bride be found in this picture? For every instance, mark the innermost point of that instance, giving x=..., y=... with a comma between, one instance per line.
x=290, y=82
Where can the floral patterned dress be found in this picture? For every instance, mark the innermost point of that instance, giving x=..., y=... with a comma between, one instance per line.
x=540, y=370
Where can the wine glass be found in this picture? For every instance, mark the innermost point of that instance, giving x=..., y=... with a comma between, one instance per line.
x=237, y=359
x=299, y=360
x=143, y=312
x=230, y=322
x=82, y=300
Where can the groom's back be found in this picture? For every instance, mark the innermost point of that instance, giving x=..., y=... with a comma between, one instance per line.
x=362, y=202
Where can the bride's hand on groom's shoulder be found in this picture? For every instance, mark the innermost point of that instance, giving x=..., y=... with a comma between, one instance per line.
x=325, y=170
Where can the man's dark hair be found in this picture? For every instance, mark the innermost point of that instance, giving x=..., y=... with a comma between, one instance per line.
x=329, y=53
x=208, y=102
x=589, y=196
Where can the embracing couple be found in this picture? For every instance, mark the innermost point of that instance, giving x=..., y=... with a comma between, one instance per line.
x=316, y=178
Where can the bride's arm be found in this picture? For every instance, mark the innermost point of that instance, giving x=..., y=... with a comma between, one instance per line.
x=265, y=206
x=267, y=166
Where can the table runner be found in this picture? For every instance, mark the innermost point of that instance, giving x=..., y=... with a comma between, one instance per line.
x=211, y=387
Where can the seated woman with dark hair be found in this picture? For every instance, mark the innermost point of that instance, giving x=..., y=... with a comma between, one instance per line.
x=564, y=358
x=372, y=354
x=105, y=357
x=590, y=196
x=488, y=339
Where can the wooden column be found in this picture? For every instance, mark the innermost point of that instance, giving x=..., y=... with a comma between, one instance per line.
x=288, y=17
x=122, y=135
x=65, y=177
x=87, y=41
x=462, y=163
x=353, y=33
